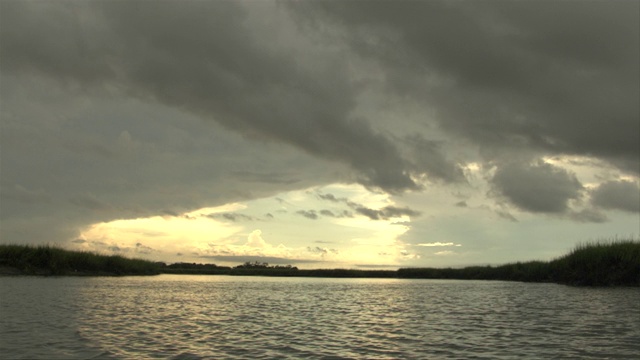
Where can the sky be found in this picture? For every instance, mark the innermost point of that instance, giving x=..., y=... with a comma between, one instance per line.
x=321, y=134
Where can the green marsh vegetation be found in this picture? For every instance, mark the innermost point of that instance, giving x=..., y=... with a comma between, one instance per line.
x=51, y=260
x=600, y=264
x=603, y=263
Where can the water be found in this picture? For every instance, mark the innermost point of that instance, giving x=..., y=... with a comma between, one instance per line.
x=213, y=317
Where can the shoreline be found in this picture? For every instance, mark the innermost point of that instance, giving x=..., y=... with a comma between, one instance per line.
x=596, y=264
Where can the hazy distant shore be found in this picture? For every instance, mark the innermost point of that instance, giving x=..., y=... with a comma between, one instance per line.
x=596, y=264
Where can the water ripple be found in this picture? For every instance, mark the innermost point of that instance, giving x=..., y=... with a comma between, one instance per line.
x=209, y=317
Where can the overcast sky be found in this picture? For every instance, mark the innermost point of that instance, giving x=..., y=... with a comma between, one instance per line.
x=360, y=134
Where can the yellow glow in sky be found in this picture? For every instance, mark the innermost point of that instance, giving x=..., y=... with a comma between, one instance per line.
x=203, y=235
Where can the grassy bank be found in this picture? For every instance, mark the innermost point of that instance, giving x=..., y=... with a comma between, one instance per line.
x=599, y=264
x=48, y=260
x=614, y=263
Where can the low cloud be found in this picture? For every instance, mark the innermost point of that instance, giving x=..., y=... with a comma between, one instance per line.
x=385, y=213
x=89, y=201
x=538, y=187
x=617, y=195
x=309, y=214
x=143, y=249
x=506, y=215
x=255, y=239
x=336, y=214
x=428, y=157
x=21, y=194
x=331, y=197
x=588, y=216
x=322, y=251
x=374, y=214
x=234, y=217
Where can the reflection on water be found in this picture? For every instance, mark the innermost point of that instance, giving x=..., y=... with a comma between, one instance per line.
x=201, y=317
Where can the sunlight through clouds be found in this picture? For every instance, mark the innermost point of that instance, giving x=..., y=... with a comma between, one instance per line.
x=350, y=226
x=438, y=244
x=161, y=236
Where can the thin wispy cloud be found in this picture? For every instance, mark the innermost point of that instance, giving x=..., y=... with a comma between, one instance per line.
x=436, y=244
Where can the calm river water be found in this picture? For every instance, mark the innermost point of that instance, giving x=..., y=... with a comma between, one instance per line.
x=221, y=317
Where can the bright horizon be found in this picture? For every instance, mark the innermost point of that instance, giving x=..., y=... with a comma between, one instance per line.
x=232, y=234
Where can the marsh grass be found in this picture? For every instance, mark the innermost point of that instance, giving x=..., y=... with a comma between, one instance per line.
x=51, y=260
x=601, y=263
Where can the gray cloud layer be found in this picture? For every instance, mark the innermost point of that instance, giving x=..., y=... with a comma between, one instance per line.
x=619, y=195
x=561, y=76
x=206, y=59
x=99, y=101
x=384, y=213
x=538, y=187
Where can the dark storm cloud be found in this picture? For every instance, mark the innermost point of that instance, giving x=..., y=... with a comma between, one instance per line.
x=270, y=178
x=561, y=77
x=538, y=187
x=90, y=202
x=429, y=158
x=203, y=57
x=23, y=195
x=618, y=195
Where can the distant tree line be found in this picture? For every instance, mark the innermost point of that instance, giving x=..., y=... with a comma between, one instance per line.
x=596, y=264
x=263, y=265
x=193, y=268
